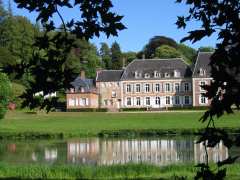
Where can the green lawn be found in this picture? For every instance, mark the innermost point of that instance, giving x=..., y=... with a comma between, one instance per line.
x=85, y=123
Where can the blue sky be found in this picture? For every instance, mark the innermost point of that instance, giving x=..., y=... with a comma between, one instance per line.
x=143, y=19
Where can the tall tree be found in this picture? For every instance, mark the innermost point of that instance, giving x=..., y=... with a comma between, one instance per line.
x=49, y=70
x=166, y=51
x=116, y=56
x=155, y=42
x=129, y=57
x=189, y=54
x=219, y=17
x=105, y=54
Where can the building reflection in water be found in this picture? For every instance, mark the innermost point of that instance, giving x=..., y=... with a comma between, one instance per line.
x=158, y=152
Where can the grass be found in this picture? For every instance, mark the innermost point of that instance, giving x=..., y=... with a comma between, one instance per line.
x=129, y=171
x=91, y=124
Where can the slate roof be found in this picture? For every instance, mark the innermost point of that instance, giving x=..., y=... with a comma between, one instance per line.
x=162, y=66
x=202, y=61
x=87, y=84
x=109, y=75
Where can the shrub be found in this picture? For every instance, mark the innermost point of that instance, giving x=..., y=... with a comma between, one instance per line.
x=5, y=94
x=88, y=110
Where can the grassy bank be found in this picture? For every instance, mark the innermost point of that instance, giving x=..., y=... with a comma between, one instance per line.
x=129, y=171
x=60, y=125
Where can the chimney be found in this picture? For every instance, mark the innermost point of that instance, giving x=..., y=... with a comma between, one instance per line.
x=82, y=74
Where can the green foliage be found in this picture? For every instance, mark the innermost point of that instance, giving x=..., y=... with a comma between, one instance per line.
x=18, y=90
x=5, y=94
x=155, y=42
x=105, y=54
x=166, y=52
x=129, y=57
x=206, y=49
x=48, y=68
x=116, y=56
x=189, y=54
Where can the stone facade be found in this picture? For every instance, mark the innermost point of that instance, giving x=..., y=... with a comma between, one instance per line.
x=155, y=84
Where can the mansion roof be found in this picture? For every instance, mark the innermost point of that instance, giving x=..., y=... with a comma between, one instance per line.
x=109, y=75
x=202, y=67
x=85, y=85
x=156, y=69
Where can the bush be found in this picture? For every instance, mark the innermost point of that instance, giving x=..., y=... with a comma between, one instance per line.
x=5, y=94
x=133, y=109
x=18, y=90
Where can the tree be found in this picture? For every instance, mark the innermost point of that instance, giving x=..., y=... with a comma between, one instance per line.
x=219, y=17
x=155, y=42
x=5, y=94
x=206, y=49
x=166, y=51
x=116, y=56
x=105, y=54
x=129, y=56
x=48, y=64
x=189, y=54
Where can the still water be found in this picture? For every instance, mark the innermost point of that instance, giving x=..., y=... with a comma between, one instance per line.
x=97, y=151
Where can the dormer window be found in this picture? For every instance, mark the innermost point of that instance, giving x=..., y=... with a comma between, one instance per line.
x=166, y=75
x=202, y=72
x=146, y=75
x=137, y=74
x=176, y=73
x=157, y=74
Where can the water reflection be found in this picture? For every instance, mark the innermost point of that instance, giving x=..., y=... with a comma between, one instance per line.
x=96, y=151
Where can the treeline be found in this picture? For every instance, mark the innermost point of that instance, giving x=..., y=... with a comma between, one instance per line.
x=17, y=36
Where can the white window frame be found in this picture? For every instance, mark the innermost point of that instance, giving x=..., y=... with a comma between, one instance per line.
x=138, y=101
x=201, y=97
x=157, y=101
x=167, y=87
x=71, y=102
x=202, y=83
x=148, y=101
x=138, y=88
x=186, y=84
x=157, y=87
x=129, y=101
x=128, y=88
x=177, y=85
x=147, y=88
x=168, y=100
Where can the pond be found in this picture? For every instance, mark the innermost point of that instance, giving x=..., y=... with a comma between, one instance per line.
x=96, y=151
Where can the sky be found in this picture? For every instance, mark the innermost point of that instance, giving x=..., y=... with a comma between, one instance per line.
x=143, y=19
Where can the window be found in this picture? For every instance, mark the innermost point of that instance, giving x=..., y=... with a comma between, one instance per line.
x=105, y=102
x=168, y=100
x=177, y=100
x=166, y=75
x=138, y=87
x=138, y=101
x=71, y=102
x=137, y=74
x=202, y=72
x=177, y=87
x=176, y=73
x=128, y=88
x=147, y=75
x=186, y=100
x=157, y=101
x=148, y=103
x=157, y=74
x=167, y=87
x=83, y=101
x=114, y=94
x=129, y=101
x=157, y=87
x=186, y=87
x=202, y=83
x=203, y=99
x=147, y=87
